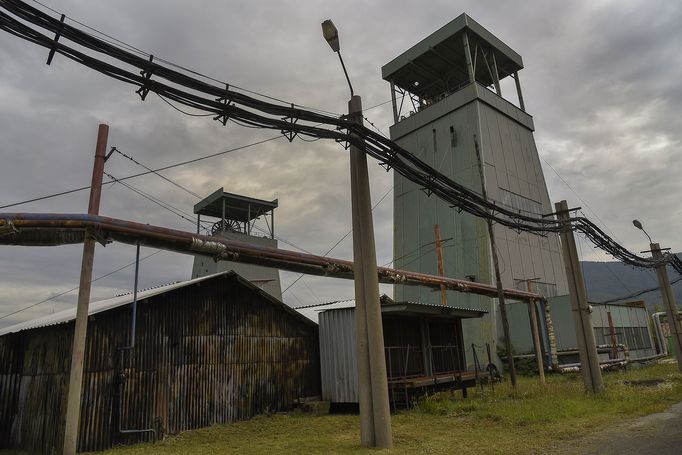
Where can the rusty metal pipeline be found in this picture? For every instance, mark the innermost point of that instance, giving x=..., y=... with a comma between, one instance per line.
x=51, y=229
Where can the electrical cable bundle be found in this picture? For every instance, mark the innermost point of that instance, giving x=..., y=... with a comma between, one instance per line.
x=227, y=104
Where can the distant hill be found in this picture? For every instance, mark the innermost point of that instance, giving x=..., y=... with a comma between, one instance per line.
x=608, y=280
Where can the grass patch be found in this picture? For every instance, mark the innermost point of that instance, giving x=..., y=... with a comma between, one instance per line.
x=529, y=419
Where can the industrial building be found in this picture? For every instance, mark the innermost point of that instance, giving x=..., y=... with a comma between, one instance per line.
x=629, y=323
x=449, y=111
x=211, y=350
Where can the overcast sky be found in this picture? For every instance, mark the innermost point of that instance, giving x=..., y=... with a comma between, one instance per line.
x=601, y=78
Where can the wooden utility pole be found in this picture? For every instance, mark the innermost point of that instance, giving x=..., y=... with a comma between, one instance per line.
x=498, y=277
x=441, y=267
x=669, y=303
x=589, y=359
x=73, y=404
x=535, y=332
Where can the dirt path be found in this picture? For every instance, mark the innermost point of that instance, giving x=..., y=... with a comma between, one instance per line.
x=659, y=434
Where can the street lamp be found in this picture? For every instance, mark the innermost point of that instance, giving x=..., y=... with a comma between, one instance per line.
x=331, y=34
x=375, y=412
x=638, y=225
x=668, y=296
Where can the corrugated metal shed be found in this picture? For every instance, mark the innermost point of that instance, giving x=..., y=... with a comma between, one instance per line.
x=338, y=357
x=211, y=350
x=339, y=372
x=631, y=324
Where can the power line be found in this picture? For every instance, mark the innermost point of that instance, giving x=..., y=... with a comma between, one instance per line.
x=140, y=174
x=76, y=288
x=292, y=122
x=114, y=40
x=377, y=105
x=41, y=198
x=191, y=114
x=289, y=120
x=176, y=211
x=155, y=200
x=340, y=240
x=608, y=268
x=173, y=209
x=415, y=251
x=639, y=293
x=156, y=173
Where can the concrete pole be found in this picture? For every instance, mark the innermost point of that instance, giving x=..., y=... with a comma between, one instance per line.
x=365, y=258
x=669, y=302
x=73, y=403
x=589, y=359
x=364, y=379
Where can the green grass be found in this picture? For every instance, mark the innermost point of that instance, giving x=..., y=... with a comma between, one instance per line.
x=530, y=419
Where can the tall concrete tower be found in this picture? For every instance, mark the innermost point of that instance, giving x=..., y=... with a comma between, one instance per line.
x=447, y=98
x=236, y=220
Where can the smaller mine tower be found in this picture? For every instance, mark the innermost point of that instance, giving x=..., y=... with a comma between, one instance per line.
x=236, y=220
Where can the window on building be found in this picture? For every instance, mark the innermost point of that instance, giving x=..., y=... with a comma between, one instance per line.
x=453, y=137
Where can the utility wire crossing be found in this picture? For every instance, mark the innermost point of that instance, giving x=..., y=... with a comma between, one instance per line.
x=225, y=104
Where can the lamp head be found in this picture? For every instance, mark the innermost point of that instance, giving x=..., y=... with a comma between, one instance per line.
x=637, y=224
x=331, y=34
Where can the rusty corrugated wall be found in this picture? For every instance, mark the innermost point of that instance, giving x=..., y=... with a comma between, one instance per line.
x=212, y=352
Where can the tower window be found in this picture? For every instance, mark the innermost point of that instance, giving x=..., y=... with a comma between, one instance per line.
x=453, y=137
x=435, y=143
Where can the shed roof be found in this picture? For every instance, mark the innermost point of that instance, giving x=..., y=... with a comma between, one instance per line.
x=122, y=300
x=237, y=207
x=428, y=309
x=437, y=63
x=388, y=306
